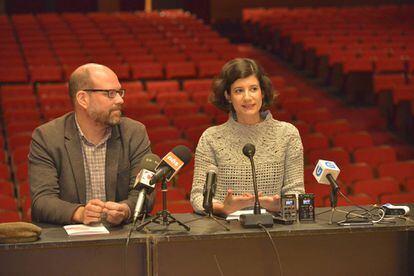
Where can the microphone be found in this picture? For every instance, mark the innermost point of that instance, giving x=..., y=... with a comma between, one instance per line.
x=171, y=164
x=256, y=219
x=143, y=182
x=210, y=188
x=326, y=172
x=249, y=150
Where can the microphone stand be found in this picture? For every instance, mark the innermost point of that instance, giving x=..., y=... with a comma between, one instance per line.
x=333, y=196
x=163, y=217
x=256, y=207
x=209, y=214
x=257, y=219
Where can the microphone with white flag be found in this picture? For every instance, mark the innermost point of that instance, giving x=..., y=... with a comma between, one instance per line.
x=143, y=182
x=326, y=172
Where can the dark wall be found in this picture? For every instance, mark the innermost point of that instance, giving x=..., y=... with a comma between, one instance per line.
x=213, y=11
x=41, y=6
x=232, y=9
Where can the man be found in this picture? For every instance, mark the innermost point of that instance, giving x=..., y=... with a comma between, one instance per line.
x=82, y=165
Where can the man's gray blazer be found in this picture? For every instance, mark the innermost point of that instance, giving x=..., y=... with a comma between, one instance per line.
x=57, y=174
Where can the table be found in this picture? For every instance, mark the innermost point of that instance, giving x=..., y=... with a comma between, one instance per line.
x=304, y=249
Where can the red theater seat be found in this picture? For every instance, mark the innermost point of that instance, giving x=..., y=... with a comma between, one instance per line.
x=185, y=180
x=53, y=90
x=192, y=120
x=147, y=71
x=398, y=170
x=355, y=171
x=197, y=85
x=144, y=109
x=13, y=74
x=175, y=207
x=302, y=127
x=295, y=105
x=176, y=109
x=155, y=121
x=8, y=203
x=338, y=155
x=208, y=69
x=200, y=97
x=173, y=194
x=21, y=115
x=20, y=155
x=24, y=189
x=314, y=116
x=399, y=198
x=180, y=70
x=135, y=100
x=376, y=187
x=121, y=70
x=4, y=170
x=16, y=91
x=285, y=94
x=9, y=216
x=157, y=135
x=280, y=114
x=21, y=171
x=6, y=188
x=331, y=128
x=166, y=146
x=132, y=87
x=314, y=141
x=46, y=73
x=193, y=134
x=157, y=87
x=278, y=82
x=375, y=155
x=19, y=140
x=171, y=97
x=359, y=199
x=353, y=140
x=22, y=127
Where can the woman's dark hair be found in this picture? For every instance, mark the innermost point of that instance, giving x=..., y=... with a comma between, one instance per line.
x=233, y=70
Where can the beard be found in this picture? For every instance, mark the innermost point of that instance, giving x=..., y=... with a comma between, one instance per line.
x=111, y=117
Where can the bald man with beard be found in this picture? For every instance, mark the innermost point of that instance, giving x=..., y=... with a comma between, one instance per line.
x=82, y=166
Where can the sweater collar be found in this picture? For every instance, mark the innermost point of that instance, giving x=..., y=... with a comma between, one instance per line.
x=265, y=115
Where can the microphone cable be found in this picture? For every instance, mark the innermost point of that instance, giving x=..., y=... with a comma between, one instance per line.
x=375, y=215
x=218, y=265
x=273, y=246
x=127, y=243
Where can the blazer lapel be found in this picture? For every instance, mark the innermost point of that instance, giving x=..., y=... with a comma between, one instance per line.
x=113, y=148
x=74, y=150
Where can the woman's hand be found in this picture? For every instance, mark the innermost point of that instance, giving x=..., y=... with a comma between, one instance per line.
x=233, y=203
x=270, y=203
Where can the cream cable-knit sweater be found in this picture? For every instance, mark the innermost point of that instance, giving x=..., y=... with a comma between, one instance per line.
x=278, y=159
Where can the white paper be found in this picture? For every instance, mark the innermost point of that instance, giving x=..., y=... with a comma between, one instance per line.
x=82, y=229
x=236, y=215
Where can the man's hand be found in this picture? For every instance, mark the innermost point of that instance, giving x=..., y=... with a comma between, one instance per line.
x=116, y=213
x=233, y=203
x=91, y=213
x=270, y=203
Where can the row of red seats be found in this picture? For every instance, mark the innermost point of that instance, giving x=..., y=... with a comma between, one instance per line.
x=139, y=71
x=334, y=48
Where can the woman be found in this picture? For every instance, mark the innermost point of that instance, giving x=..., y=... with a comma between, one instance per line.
x=243, y=90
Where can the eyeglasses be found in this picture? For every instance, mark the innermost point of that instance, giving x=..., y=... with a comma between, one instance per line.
x=111, y=93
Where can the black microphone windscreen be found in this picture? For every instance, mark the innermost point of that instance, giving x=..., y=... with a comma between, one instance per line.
x=149, y=162
x=183, y=153
x=249, y=150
